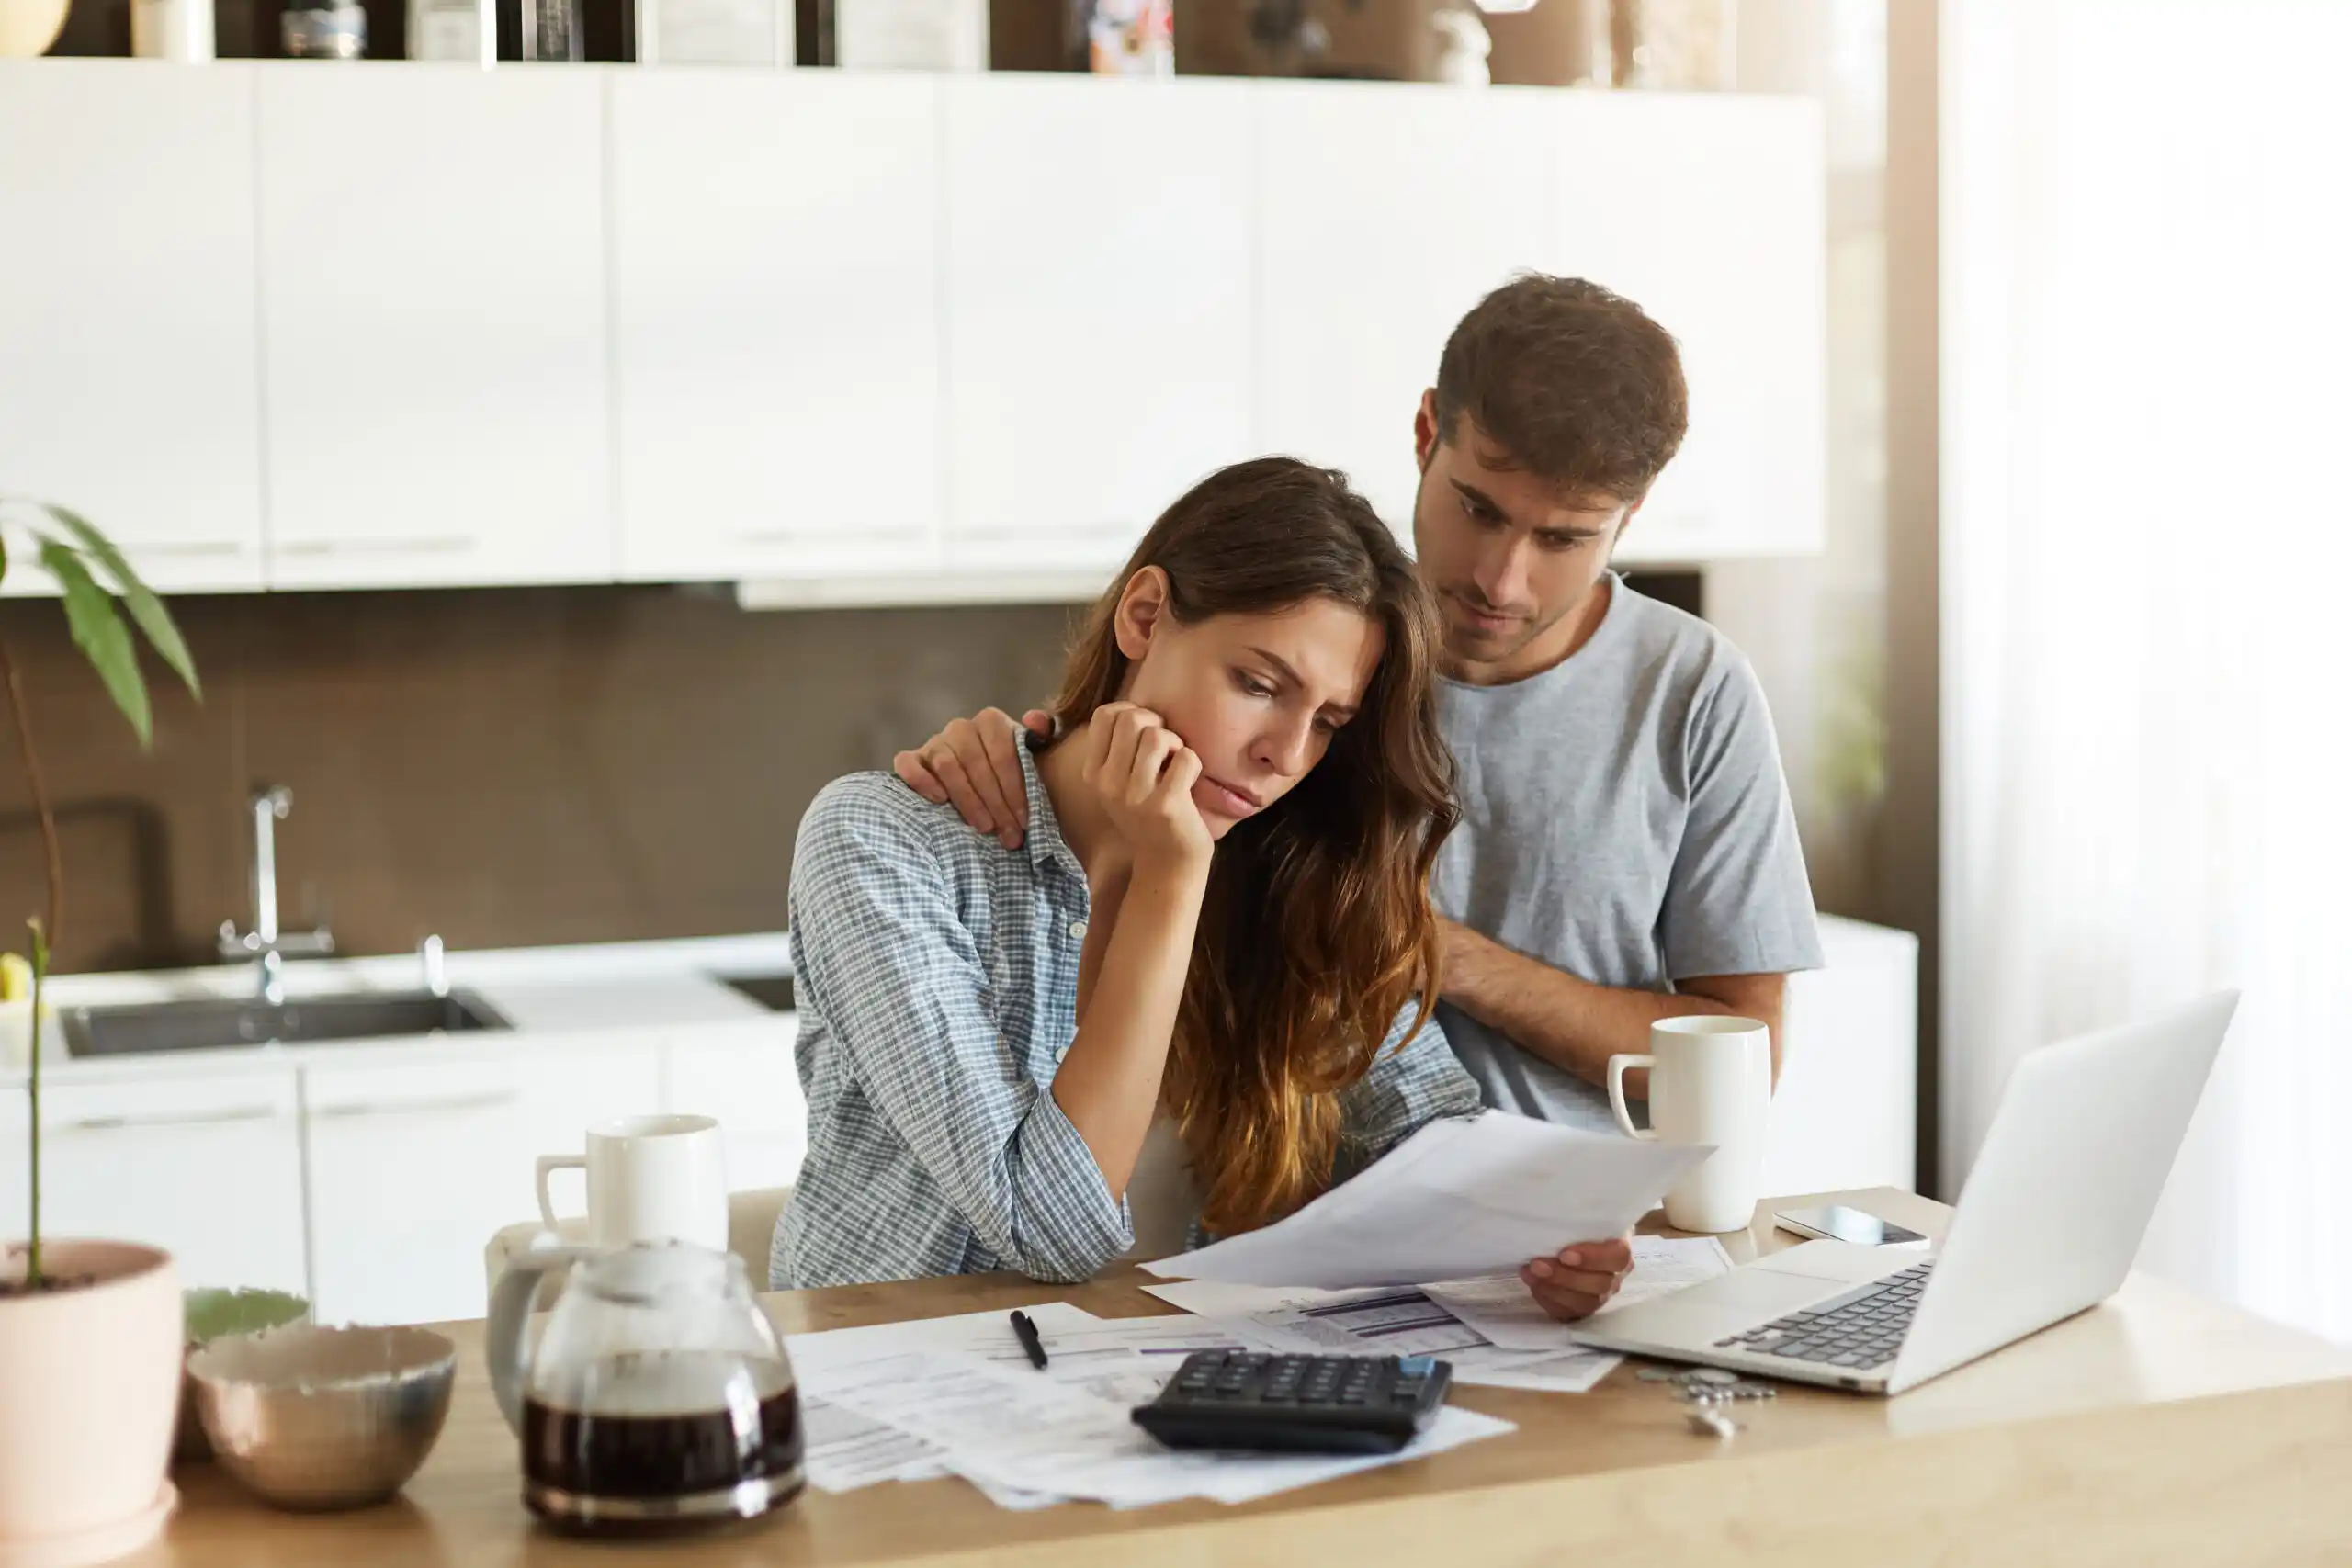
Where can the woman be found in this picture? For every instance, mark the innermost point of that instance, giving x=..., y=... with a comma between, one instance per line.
x=1219, y=917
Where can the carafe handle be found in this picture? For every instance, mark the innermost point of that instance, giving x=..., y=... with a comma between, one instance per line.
x=506, y=1337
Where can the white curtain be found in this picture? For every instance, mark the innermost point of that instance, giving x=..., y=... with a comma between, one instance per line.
x=2146, y=282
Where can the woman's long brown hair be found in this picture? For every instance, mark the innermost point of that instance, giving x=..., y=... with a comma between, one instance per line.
x=1315, y=931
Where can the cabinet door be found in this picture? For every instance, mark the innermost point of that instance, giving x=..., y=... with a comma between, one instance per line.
x=209, y=1168
x=776, y=281
x=1099, y=310
x=1384, y=213
x=743, y=1075
x=128, y=355
x=1709, y=213
x=412, y=1167
x=432, y=316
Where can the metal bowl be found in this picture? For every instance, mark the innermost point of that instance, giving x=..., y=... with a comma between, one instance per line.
x=319, y=1418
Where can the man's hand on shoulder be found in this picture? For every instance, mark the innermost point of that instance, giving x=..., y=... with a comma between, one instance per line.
x=973, y=764
x=1463, y=963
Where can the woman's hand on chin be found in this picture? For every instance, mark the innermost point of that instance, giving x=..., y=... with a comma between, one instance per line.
x=1144, y=776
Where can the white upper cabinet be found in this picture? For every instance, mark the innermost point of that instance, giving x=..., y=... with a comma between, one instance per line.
x=432, y=324
x=1099, y=309
x=775, y=282
x=127, y=358
x=1709, y=211
x=290, y=324
x=1383, y=212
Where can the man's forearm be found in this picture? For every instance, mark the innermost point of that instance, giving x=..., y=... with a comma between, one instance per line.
x=1576, y=1025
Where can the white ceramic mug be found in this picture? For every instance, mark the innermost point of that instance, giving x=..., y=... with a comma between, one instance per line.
x=1711, y=1082
x=650, y=1179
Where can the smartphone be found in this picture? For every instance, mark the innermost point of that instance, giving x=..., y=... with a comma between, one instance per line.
x=1835, y=1222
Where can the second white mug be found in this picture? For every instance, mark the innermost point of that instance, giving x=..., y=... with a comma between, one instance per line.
x=1711, y=1082
x=650, y=1179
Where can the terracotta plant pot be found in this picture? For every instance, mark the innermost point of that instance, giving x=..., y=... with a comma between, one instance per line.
x=89, y=1387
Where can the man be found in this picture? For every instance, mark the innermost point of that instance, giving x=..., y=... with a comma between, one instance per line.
x=1627, y=851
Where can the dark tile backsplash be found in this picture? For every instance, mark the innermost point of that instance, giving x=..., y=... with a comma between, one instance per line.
x=505, y=767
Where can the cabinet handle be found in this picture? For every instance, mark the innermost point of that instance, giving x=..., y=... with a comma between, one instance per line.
x=177, y=548
x=450, y=546
x=827, y=536
x=194, y=1119
x=417, y=1107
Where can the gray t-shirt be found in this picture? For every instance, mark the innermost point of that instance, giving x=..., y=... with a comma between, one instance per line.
x=1624, y=819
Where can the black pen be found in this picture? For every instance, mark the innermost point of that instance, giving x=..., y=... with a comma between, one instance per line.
x=1026, y=1332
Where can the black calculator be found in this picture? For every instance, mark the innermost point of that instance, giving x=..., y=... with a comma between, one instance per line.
x=1322, y=1404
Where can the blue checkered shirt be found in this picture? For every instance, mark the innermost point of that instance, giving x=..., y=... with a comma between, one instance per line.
x=936, y=979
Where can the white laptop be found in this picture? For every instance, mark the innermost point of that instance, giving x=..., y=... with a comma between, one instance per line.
x=2051, y=1219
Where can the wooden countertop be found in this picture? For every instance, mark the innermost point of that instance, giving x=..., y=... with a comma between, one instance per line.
x=2159, y=1427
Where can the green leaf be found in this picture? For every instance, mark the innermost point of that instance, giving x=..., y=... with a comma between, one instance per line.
x=4, y=557
x=100, y=634
x=212, y=1312
x=145, y=608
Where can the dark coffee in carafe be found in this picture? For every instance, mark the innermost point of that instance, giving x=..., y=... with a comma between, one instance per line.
x=629, y=1466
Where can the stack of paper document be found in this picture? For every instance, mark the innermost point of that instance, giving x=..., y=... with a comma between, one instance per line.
x=955, y=1396
x=1463, y=1197
x=1490, y=1327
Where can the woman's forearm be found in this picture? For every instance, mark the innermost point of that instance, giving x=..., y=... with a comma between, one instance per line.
x=1109, y=1084
x=1108, y=888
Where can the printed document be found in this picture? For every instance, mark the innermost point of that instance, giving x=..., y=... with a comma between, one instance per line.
x=956, y=1395
x=1461, y=1196
x=1405, y=1322
x=1501, y=1307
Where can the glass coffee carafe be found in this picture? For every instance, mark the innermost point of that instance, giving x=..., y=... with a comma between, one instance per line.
x=660, y=1396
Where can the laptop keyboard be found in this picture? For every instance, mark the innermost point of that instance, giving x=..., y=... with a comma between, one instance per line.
x=1859, y=1330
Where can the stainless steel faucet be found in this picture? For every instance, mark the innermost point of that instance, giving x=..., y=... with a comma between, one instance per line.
x=265, y=941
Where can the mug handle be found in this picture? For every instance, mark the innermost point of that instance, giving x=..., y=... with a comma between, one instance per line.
x=1617, y=1067
x=549, y=1163
x=506, y=1337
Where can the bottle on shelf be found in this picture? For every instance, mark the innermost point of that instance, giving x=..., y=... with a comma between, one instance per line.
x=324, y=30
x=715, y=32
x=911, y=35
x=453, y=29
x=172, y=29
x=541, y=29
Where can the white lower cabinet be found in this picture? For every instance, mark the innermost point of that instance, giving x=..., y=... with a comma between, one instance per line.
x=209, y=1168
x=412, y=1167
x=374, y=1186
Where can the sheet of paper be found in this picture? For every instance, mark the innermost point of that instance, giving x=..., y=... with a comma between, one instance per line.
x=956, y=1395
x=1574, y=1370
x=987, y=1334
x=1019, y=1435
x=846, y=1450
x=1390, y=1321
x=1129, y=1360
x=1461, y=1196
x=1382, y=1321
x=1500, y=1306
x=1245, y=1479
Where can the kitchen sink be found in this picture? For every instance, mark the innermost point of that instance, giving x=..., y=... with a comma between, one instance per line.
x=214, y=1022
x=772, y=991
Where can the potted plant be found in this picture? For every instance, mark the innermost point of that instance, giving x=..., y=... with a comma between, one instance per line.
x=90, y=1330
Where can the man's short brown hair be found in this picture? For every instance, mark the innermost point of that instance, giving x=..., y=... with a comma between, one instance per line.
x=1575, y=382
